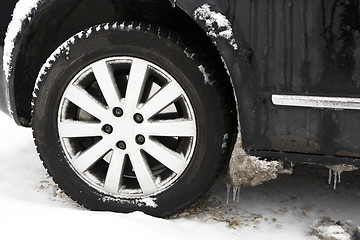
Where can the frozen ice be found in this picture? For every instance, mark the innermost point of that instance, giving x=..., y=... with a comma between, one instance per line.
x=337, y=170
x=236, y=193
x=250, y=171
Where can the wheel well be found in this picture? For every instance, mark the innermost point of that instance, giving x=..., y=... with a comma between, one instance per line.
x=62, y=19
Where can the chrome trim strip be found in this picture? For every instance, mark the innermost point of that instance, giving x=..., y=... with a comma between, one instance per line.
x=316, y=102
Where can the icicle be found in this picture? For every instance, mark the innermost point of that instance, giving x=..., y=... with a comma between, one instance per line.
x=228, y=189
x=338, y=170
x=339, y=173
x=330, y=173
x=236, y=193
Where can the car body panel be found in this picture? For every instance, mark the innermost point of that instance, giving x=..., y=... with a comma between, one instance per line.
x=292, y=47
x=307, y=48
x=301, y=47
x=7, y=8
x=5, y=17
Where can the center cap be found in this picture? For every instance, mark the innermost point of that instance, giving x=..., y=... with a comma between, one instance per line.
x=126, y=129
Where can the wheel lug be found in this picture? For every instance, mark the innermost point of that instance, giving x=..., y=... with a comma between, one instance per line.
x=140, y=139
x=138, y=118
x=107, y=128
x=118, y=112
x=121, y=145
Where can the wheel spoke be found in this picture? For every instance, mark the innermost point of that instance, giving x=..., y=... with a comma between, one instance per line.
x=163, y=98
x=105, y=78
x=142, y=172
x=172, y=160
x=114, y=173
x=170, y=128
x=73, y=129
x=137, y=79
x=88, y=158
x=85, y=101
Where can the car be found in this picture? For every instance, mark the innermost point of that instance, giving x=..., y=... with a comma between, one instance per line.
x=139, y=105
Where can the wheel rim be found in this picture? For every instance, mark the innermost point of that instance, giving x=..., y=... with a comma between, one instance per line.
x=127, y=127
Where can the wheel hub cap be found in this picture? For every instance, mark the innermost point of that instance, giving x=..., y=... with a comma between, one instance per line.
x=127, y=127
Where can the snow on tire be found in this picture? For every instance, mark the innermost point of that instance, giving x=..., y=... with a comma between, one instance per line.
x=123, y=120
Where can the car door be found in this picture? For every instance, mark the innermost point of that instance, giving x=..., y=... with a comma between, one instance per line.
x=302, y=94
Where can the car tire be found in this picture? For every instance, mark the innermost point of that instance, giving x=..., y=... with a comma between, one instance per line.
x=125, y=119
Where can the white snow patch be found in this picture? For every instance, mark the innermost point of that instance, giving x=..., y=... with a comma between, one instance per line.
x=225, y=140
x=173, y=3
x=148, y=201
x=206, y=75
x=334, y=232
x=122, y=26
x=130, y=27
x=226, y=34
x=216, y=23
x=22, y=13
x=188, y=54
x=88, y=32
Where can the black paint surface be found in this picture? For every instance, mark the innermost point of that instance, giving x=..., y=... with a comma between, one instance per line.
x=6, y=9
x=304, y=47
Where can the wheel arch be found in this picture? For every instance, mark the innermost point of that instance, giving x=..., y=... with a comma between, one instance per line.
x=50, y=23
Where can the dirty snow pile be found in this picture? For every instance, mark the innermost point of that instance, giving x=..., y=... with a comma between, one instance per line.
x=357, y=233
x=327, y=229
x=249, y=171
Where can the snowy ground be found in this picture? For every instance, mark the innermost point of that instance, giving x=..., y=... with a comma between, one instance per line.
x=32, y=205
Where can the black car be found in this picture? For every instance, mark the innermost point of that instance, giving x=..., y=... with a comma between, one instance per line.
x=138, y=104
